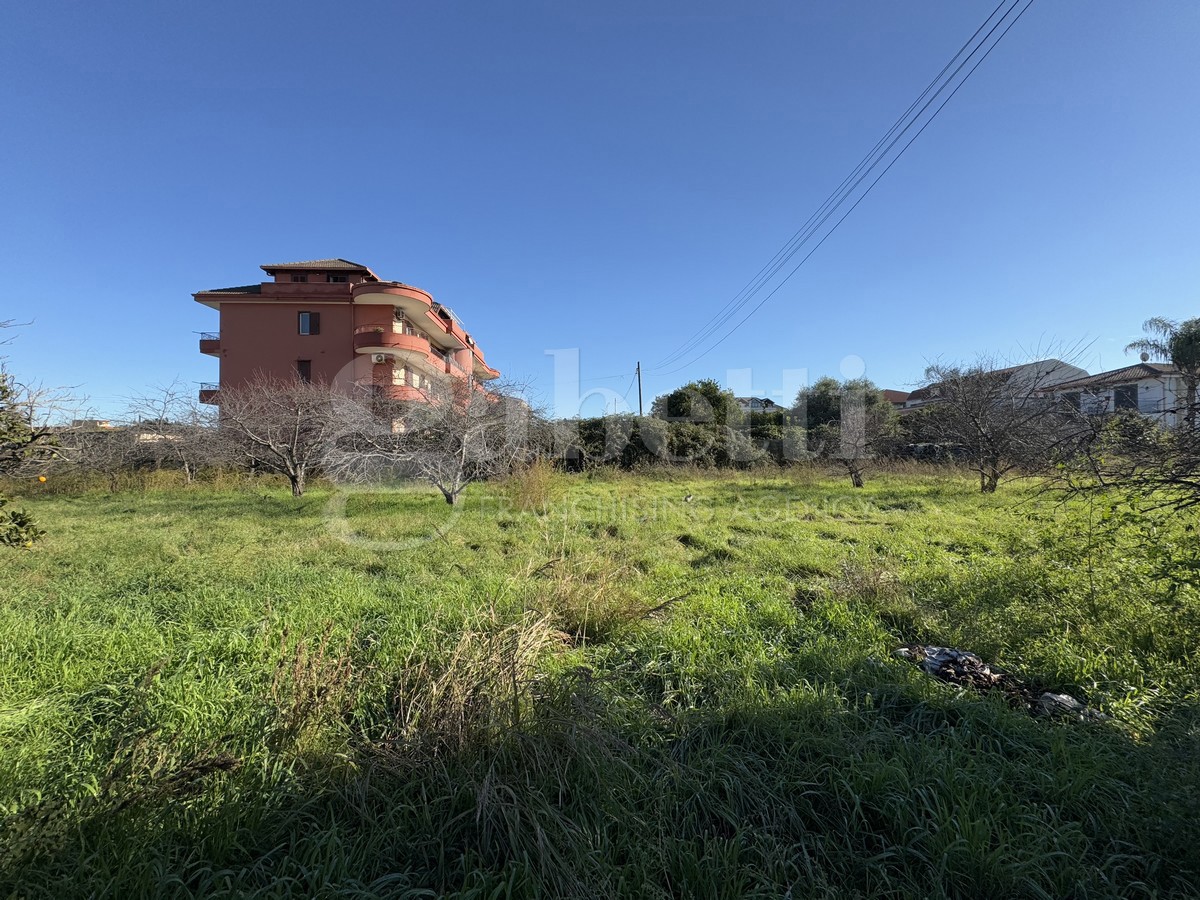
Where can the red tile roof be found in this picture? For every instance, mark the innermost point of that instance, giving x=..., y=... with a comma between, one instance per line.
x=1136, y=372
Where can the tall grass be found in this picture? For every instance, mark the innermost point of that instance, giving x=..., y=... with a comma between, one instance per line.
x=612, y=691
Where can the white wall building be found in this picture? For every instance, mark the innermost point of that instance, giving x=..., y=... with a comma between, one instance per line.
x=1152, y=389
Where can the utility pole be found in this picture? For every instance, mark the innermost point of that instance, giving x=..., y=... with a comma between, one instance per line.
x=639, y=375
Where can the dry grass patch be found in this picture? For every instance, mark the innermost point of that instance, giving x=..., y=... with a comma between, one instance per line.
x=481, y=688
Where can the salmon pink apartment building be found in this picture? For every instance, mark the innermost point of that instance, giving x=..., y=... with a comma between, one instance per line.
x=335, y=322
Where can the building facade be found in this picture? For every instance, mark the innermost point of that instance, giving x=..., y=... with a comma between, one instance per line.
x=335, y=322
x=1155, y=390
x=1026, y=379
x=756, y=404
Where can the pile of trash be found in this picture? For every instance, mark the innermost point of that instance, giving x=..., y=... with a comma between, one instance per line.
x=965, y=669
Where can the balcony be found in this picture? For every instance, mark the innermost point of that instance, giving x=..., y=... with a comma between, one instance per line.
x=414, y=301
x=448, y=364
x=210, y=343
x=483, y=371
x=210, y=394
x=402, y=343
x=374, y=338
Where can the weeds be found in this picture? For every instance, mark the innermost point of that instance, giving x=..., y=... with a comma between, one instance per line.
x=482, y=688
x=526, y=707
x=535, y=487
x=311, y=686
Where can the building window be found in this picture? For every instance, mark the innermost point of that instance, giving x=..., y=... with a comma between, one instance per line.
x=304, y=370
x=299, y=279
x=409, y=378
x=310, y=323
x=1125, y=396
x=339, y=279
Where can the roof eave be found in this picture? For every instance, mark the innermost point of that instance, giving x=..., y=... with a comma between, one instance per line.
x=318, y=265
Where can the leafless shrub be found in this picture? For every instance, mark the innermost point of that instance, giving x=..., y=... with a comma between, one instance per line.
x=29, y=413
x=1137, y=458
x=174, y=428
x=112, y=455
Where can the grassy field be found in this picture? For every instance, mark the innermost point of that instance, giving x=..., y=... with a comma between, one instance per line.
x=592, y=687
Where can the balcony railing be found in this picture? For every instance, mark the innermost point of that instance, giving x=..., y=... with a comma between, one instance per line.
x=210, y=342
x=209, y=393
x=368, y=337
x=403, y=326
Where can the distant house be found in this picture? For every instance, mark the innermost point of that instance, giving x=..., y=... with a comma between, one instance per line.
x=1155, y=390
x=756, y=404
x=92, y=425
x=1033, y=376
x=896, y=398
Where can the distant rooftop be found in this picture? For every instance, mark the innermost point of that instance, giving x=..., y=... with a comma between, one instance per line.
x=1125, y=375
x=243, y=289
x=1041, y=367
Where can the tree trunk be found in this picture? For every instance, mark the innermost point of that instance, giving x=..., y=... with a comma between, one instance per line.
x=297, y=481
x=990, y=481
x=856, y=478
x=451, y=496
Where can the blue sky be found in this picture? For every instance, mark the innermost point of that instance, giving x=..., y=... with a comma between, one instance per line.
x=599, y=176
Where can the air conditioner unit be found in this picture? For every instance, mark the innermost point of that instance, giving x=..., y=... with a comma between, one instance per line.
x=379, y=358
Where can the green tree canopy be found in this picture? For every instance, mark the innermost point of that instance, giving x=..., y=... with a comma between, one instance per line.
x=700, y=402
x=820, y=403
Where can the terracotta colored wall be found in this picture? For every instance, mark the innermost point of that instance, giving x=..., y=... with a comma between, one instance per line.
x=264, y=337
x=316, y=277
x=373, y=314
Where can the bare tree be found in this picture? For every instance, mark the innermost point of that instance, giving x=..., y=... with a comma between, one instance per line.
x=26, y=436
x=1137, y=459
x=107, y=452
x=22, y=435
x=28, y=413
x=283, y=426
x=453, y=435
x=999, y=419
x=175, y=427
x=1133, y=456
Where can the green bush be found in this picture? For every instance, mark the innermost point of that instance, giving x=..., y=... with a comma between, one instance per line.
x=17, y=528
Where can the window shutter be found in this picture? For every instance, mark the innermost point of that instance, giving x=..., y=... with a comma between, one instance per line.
x=314, y=323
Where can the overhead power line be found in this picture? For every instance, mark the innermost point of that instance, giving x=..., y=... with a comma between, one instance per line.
x=784, y=253
x=976, y=48
x=630, y=388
